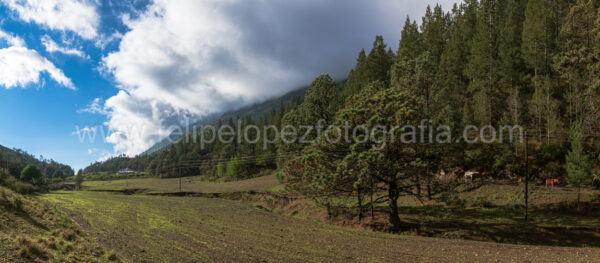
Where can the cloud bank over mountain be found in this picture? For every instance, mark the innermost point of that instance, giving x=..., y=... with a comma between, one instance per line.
x=193, y=58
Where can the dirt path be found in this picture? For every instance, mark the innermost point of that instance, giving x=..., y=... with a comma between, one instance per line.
x=144, y=228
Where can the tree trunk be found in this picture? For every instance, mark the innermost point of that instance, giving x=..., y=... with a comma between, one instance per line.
x=428, y=183
x=578, y=195
x=372, y=203
x=418, y=184
x=360, y=204
x=393, y=204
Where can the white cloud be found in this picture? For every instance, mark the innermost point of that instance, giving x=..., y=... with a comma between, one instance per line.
x=20, y=66
x=95, y=107
x=136, y=124
x=53, y=47
x=104, y=40
x=12, y=40
x=183, y=57
x=101, y=154
x=79, y=16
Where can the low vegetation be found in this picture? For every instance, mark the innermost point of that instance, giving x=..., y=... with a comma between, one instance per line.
x=188, y=184
x=192, y=229
x=35, y=231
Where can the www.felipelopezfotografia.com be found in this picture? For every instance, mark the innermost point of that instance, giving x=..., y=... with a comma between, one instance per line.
x=378, y=135
x=300, y=131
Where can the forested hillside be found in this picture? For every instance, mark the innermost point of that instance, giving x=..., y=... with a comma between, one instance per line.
x=530, y=63
x=164, y=156
x=14, y=160
x=255, y=111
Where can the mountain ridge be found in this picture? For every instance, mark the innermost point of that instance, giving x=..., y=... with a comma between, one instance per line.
x=253, y=110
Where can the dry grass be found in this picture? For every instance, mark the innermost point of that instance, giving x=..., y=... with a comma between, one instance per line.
x=192, y=229
x=32, y=230
x=188, y=184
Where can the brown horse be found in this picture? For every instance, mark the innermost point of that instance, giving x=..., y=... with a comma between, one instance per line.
x=551, y=182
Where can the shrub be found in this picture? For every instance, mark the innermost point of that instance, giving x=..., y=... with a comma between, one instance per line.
x=451, y=198
x=267, y=159
x=112, y=256
x=236, y=168
x=18, y=204
x=594, y=196
x=32, y=174
x=23, y=188
x=517, y=198
x=221, y=170
x=484, y=201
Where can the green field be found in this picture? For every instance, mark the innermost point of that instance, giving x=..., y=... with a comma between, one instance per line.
x=144, y=228
x=188, y=184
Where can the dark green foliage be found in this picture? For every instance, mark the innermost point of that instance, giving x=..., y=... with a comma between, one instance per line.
x=79, y=180
x=188, y=158
x=374, y=67
x=234, y=168
x=11, y=182
x=318, y=108
x=15, y=160
x=579, y=163
x=32, y=174
x=531, y=63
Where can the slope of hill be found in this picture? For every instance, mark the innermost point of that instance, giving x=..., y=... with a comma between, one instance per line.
x=35, y=231
x=254, y=111
x=14, y=160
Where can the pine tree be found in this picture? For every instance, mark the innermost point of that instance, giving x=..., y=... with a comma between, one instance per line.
x=403, y=71
x=575, y=63
x=356, y=78
x=511, y=65
x=481, y=68
x=379, y=62
x=539, y=37
x=579, y=165
x=460, y=32
x=538, y=47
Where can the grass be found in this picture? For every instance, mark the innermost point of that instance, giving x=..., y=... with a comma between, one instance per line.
x=193, y=229
x=188, y=184
x=486, y=212
x=35, y=231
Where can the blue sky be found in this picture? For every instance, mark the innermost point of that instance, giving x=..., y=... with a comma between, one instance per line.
x=138, y=68
x=41, y=117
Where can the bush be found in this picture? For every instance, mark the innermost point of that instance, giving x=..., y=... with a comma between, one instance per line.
x=517, y=198
x=112, y=257
x=451, y=198
x=32, y=174
x=267, y=159
x=221, y=170
x=18, y=204
x=594, y=196
x=12, y=183
x=23, y=188
x=484, y=201
x=236, y=168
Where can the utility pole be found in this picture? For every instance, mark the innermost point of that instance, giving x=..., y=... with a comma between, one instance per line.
x=180, y=179
x=526, y=176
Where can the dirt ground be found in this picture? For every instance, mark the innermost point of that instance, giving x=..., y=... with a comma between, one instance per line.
x=144, y=228
x=188, y=184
